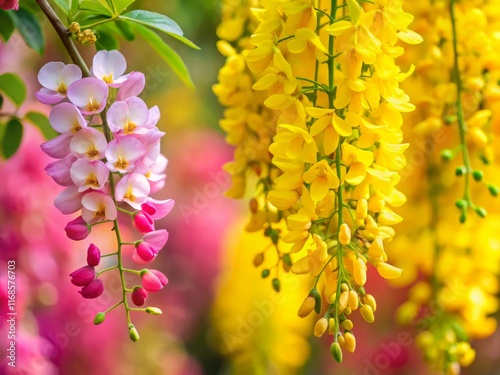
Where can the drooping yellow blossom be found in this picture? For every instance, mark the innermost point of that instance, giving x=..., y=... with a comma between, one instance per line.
x=327, y=87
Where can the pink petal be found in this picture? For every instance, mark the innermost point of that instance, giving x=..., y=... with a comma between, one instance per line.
x=133, y=189
x=70, y=74
x=89, y=94
x=122, y=153
x=158, y=209
x=60, y=170
x=109, y=66
x=138, y=110
x=50, y=75
x=69, y=200
x=66, y=118
x=47, y=96
x=82, y=169
x=133, y=86
x=117, y=116
x=59, y=147
x=95, y=202
x=156, y=239
x=88, y=143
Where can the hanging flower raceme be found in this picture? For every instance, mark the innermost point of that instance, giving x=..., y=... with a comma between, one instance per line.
x=109, y=161
x=456, y=256
x=330, y=78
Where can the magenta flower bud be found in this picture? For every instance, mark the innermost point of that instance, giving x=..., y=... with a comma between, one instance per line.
x=139, y=296
x=145, y=252
x=83, y=276
x=77, y=229
x=9, y=4
x=153, y=280
x=93, y=255
x=143, y=222
x=93, y=290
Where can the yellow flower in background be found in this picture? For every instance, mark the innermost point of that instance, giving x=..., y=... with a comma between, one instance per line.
x=254, y=326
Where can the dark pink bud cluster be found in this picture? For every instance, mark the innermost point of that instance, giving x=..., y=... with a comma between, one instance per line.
x=108, y=160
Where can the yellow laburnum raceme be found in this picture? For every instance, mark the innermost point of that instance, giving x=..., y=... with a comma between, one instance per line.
x=327, y=86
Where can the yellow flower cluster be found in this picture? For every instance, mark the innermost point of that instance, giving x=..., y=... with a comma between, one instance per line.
x=452, y=158
x=328, y=87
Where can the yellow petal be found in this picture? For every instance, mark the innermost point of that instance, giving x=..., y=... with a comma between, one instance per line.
x=388, y=271
x=319, y=188
x=356, y=174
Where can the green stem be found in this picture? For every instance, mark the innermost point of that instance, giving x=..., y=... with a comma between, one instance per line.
x=462, y=127
x=64, y=36
x=98, y=23
x=106, y=270
x=113, y=307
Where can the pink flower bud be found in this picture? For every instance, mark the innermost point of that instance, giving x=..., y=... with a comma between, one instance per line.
x=153, y=280
x=139, y=296
x=93, y=255
x=9, y=4
x=77, y=229
x=83, y=276
x=93, y=290
x=143, y=222
x=145, y=252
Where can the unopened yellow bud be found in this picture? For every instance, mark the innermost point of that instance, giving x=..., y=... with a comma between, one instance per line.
x=336, y=352
x=331, y=326
x=388, y=272
x=344, y=287
x=341, y=340
x=465, y=354
x=367, y=313
x=420, y=292
x=320, y=327
x=453, y=369
x=361, y=209
x=424, y=339
x=344, y=297
x=345, y=234
x=359, y=271
x=347, y=311
x=370, y=300
x=350, y=342
x=307, y=307
x=347, y=325
x=353, y=300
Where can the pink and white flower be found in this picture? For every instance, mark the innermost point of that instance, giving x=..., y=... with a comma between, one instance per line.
x=109, y=67
x=89, y=143
x=122, y=153
x=55, y=77
x=65, y=118
x=89, y=174
x=129, y=116
x=98, y=206
x=132, y=189
x=89, y=94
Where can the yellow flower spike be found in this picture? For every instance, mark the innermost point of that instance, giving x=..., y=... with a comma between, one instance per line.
x=322, y=179
x=328, y=121
x=307, y=307
x=345, y=234
x=320, y=327
x=350, y=342
x=359, y=272
x=292, y=142
x=370, y=300
x=347, y=325
x=367, y=313
x=357, y=160
x=387, y=271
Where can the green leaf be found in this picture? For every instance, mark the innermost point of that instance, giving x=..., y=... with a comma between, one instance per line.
x=99, y=6
x=42, y=122
x=167, y=53
x=64, y=5
x=29, y=28
x=125, y=30
x=13, y=86
x=106, y=41
x=6, y=25
x=160, y=22
x=121, y=5
x=12, y=138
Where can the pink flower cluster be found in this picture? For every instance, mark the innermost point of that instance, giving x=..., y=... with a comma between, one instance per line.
x=108, y=159
x=9, y=4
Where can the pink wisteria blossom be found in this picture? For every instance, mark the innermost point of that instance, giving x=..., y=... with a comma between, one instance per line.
x=108, y=160
x=55, y=77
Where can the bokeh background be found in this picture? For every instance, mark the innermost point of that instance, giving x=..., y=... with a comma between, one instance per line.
x=219, y=316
